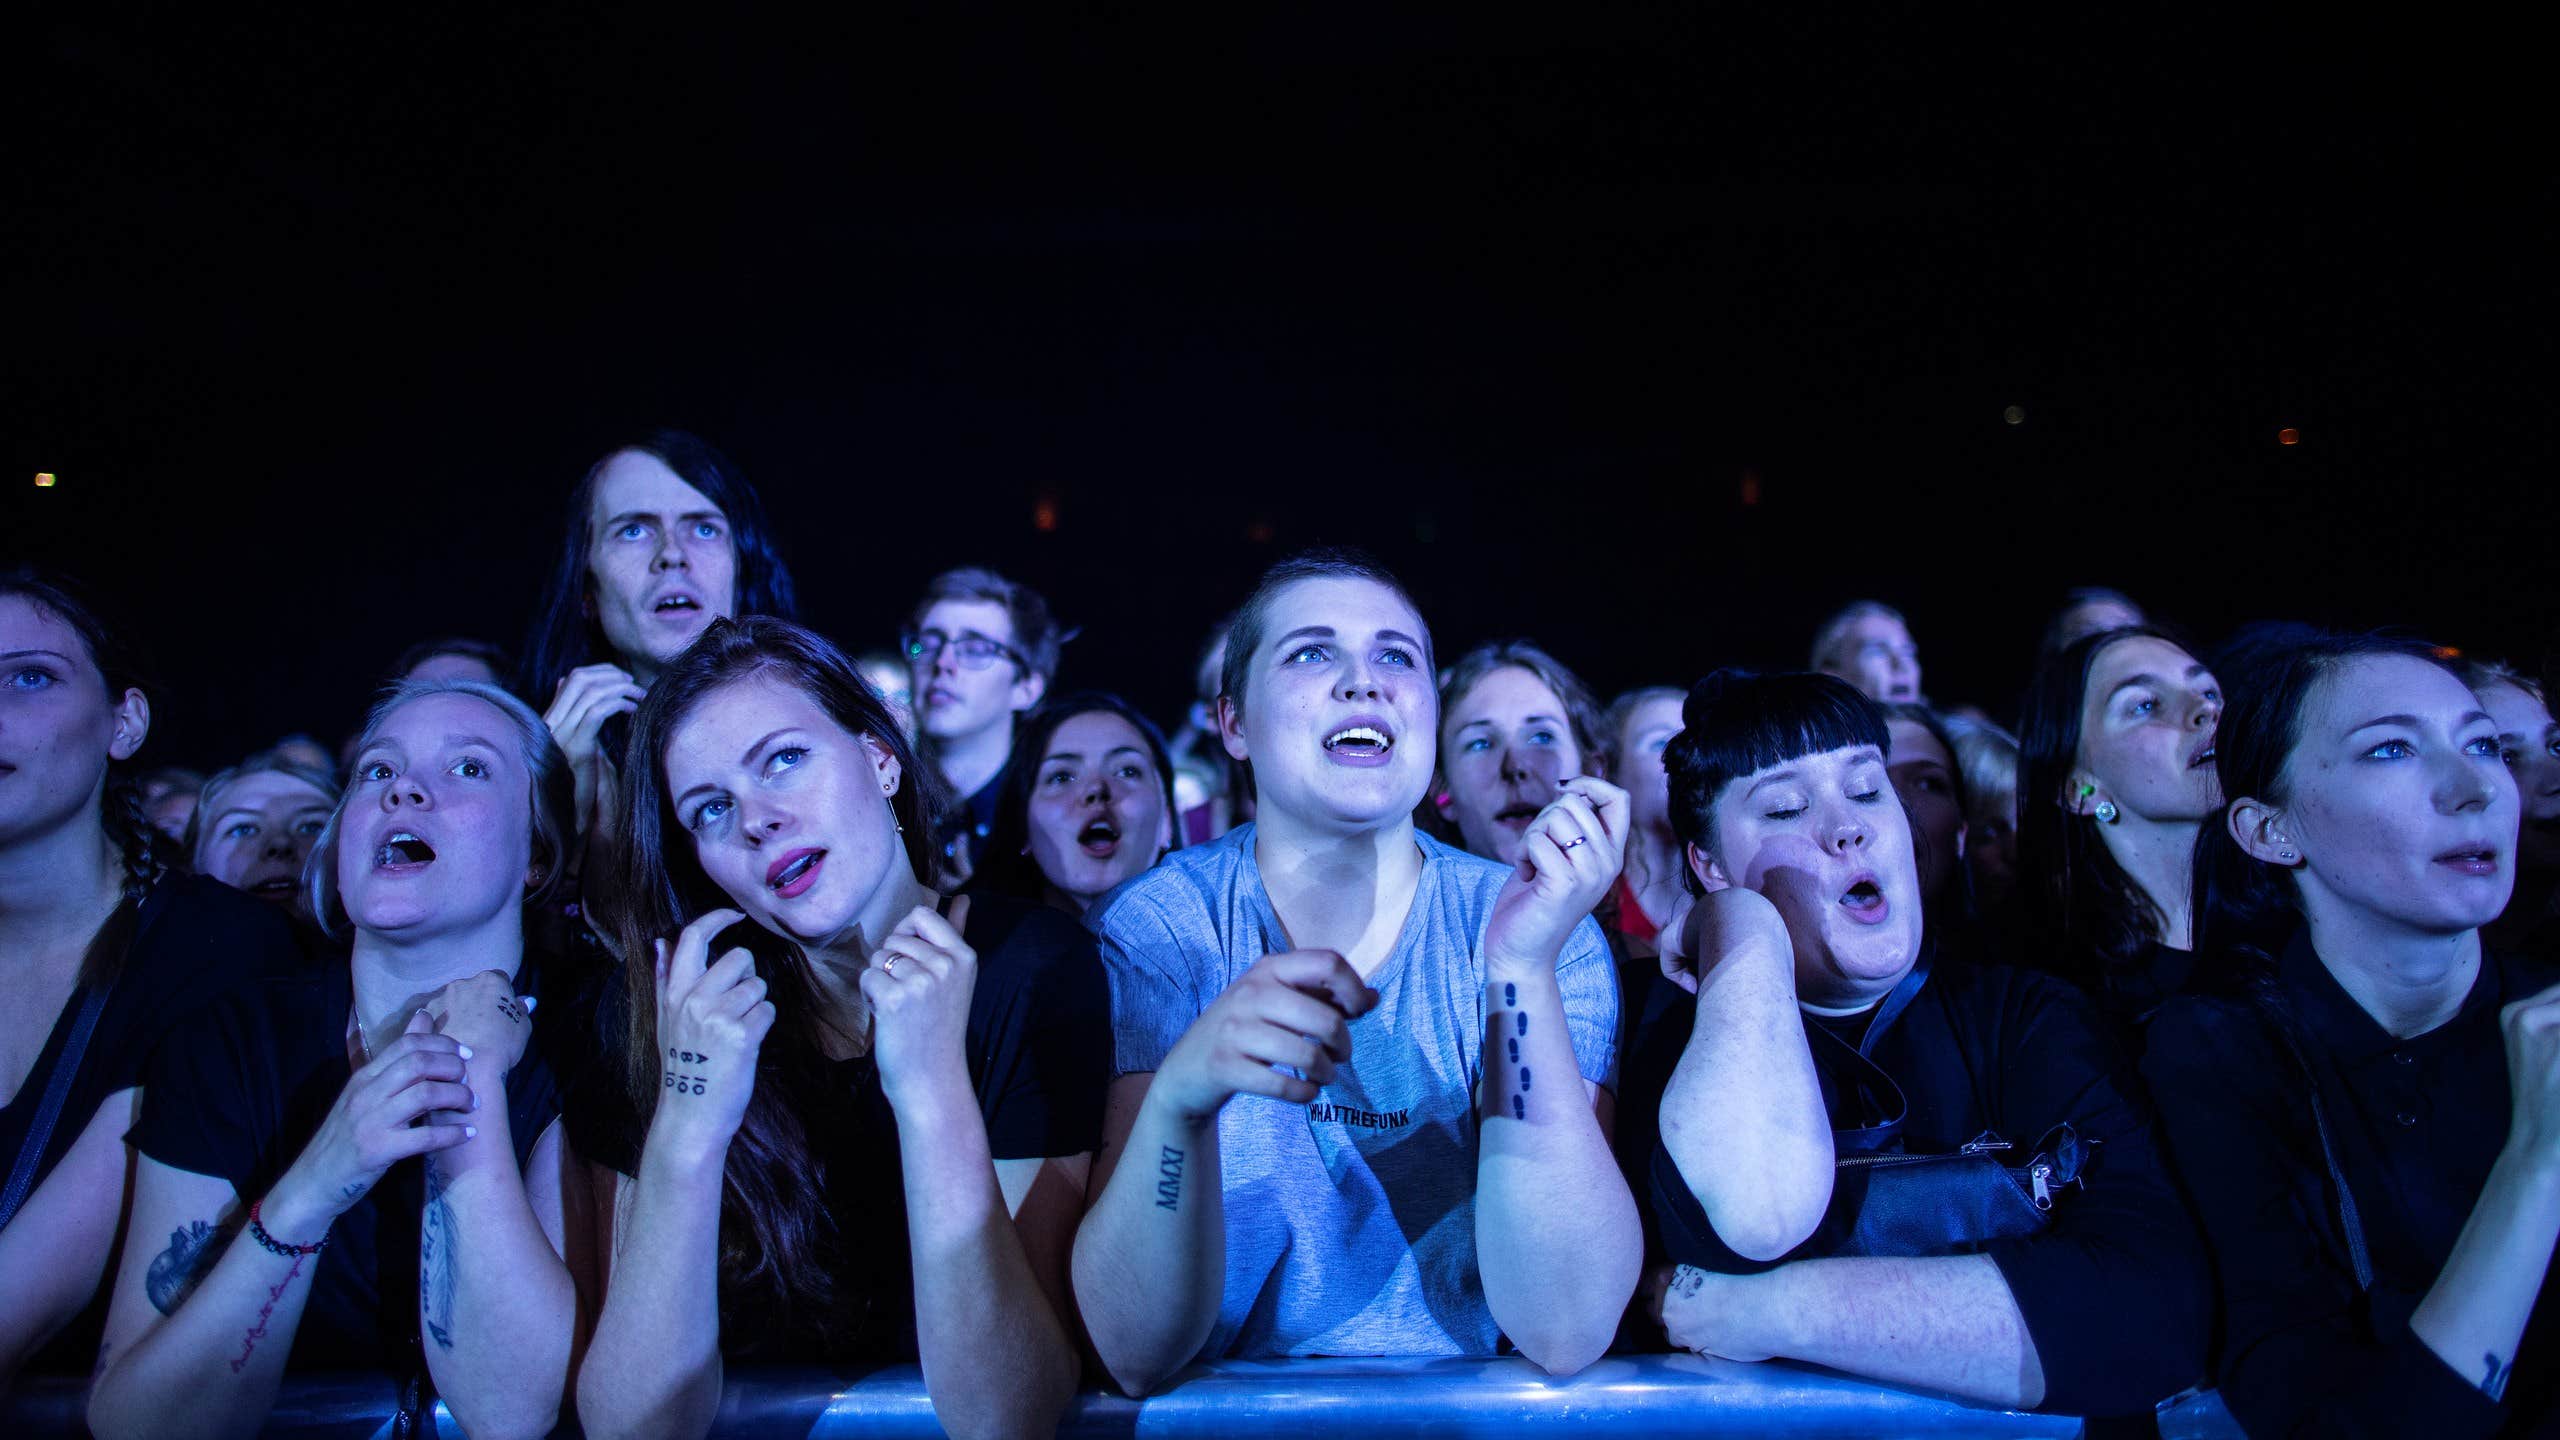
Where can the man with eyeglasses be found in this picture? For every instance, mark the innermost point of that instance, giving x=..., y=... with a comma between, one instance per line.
x=980, y=650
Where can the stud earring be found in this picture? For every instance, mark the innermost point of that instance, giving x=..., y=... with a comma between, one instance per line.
x=2106, y=812
x=2290, y=857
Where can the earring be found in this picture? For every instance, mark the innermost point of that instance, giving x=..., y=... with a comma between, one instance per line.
x=2106, y=812
x=2290, y=857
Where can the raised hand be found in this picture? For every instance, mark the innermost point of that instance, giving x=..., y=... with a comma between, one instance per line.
x=1569, y=857
x=484, y=1012
x=918, y=986
x=712, y=1020
x=1292, y=1009
x=1717, y=926
x=589, y=696
x=381, y=1118
x=2532, y=1028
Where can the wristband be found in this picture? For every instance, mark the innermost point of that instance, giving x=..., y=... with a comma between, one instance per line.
x=274, y=1246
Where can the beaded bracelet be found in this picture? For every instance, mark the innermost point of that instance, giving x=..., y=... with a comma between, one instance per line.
x=274, y=1246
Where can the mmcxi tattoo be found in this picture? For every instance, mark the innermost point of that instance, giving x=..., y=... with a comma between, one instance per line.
x=1169, y=1180
x=2494, y=1384
x=436, y=1239
x=175, y=1271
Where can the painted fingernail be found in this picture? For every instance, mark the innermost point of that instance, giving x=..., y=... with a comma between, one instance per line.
x=470, y=1132
x=475, y=1095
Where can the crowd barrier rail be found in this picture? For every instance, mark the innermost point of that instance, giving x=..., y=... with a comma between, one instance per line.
x=1244, y=1400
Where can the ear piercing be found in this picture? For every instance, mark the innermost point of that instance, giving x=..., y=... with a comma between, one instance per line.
x=2290, y=857
x=2106, y=812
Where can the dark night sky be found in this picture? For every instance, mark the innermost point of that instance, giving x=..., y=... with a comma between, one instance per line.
x=319, y=323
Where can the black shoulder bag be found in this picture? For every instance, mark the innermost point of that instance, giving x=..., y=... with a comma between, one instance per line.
x=1886, y=1201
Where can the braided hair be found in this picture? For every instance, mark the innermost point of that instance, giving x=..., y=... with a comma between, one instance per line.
x=147, y=855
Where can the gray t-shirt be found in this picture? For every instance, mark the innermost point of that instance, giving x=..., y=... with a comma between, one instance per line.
x=1351, y=1219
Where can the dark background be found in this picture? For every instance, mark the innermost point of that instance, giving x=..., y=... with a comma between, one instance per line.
x=319, y=319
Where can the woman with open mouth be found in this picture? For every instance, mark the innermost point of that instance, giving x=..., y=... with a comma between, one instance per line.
x=2115, y=781
x=2529, y=740
x=2367, y=1112
x=360, y=1169
x=1514, y=725
x=109, y=949
x=1085, y=804
x=1302, y=1010
x=2079, y=1289
x=254, y=827
x=858, y=1119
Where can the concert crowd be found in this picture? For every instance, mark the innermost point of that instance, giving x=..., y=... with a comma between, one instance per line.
x=671, y=989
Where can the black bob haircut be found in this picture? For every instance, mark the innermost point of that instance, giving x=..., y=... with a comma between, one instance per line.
x=1736, y=722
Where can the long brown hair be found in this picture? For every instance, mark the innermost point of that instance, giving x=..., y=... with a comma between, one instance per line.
x=774, y=1228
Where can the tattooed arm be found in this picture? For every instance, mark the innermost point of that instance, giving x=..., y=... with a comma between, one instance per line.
x=55, y=1251
x=203, y=1356
x=177, y=1367
x=1150, y=1258
x=653, y=1367
x=1556, y=1234
x=495, y=1304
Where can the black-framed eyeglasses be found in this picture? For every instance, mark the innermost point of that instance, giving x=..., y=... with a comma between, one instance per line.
x=973, y=650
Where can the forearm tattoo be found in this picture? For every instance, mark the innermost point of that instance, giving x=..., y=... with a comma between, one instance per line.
x=1169, y=1179
x=2494, y=1384
x=1511, y=1080
x=436, y=1239
x=175, y=1271
x=249, y=1340
x=679, y=1083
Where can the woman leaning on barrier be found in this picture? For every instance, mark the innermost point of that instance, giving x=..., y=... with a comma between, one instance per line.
x=1360, y=1106
x=858, y=1118
x=1937, y=1174
x=358, y=1168
x=2368, y=1114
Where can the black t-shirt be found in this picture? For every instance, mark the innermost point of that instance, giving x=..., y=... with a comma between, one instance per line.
x=2113, y=1291
x=238, y=1091
x=1039, y=1053
x=2415, y=1125
x=194, y=939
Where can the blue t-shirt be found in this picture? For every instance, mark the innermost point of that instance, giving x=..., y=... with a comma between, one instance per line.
x=1350, y=1219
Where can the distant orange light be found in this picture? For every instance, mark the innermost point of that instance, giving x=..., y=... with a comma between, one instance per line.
x=2288, y=436
x=1260, y=531
x=44, y=479
x=1044, y=515
x=1750, y=488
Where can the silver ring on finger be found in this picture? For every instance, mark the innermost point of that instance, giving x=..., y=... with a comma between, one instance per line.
x=889, y=967
x=1576, y=840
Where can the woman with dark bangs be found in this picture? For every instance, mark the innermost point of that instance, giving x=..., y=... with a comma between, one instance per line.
x=2367, y=1114
x=106, y=950
x=2115, y=781
x=1085, y=804
x=858, y=1119
x=2034, y=1276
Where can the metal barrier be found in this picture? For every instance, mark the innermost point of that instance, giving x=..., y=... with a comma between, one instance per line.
x=1250, y=1400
